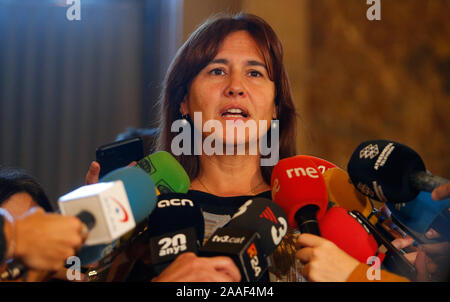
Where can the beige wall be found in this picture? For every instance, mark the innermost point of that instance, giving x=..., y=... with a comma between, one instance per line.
x=354, y=79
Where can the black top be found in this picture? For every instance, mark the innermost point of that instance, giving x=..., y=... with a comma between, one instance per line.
x=222, y=205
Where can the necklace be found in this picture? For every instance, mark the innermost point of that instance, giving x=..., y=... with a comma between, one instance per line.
x=251, y=190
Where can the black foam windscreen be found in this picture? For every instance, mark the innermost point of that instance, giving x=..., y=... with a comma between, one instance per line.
x=174, y=212
x=264, y=217
x=382, y=170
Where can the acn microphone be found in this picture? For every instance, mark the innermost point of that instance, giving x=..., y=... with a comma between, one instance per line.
x=174, y=227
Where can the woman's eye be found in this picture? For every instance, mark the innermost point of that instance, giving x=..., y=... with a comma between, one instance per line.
x=255, y=73
x=217, y=71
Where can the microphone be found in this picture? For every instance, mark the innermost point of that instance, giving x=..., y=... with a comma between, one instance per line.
x=322, y=164
x=118, y=204
x=343, y=193
x=423, y=213
x=299, y=189
x=393, y=259
x=253, y=233
x=109, y=209
x=166, y=172
x=264, y=217
x=175, y=226
x=390, y=172
x=340, y=226
x=355, y=235
x=140, y=191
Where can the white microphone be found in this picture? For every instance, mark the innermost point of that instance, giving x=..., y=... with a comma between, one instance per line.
x=108, y=203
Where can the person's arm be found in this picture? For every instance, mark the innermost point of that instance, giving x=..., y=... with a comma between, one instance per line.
x=325, y=262
x=43, y=241
x=359, y=274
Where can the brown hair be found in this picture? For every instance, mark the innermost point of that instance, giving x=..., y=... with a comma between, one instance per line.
x=196, y=53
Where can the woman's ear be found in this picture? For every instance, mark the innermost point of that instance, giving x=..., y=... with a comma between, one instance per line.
x=275, y=112
x=184, y=109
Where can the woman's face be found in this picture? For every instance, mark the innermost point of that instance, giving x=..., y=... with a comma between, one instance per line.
x=234, y=86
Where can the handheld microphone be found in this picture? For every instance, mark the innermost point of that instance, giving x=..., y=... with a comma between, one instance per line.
x=340, y=226
x=343, y=193
x=140, y=191
x=355, y=235
x=264, y=217
x=299, y=189
x=109, y=209
x=423, y=213
x=166, y=172
x=117, y=204
x=322, y=164
x=392, y=258
x=253, y=233
x=390, y=172
x=175, y=226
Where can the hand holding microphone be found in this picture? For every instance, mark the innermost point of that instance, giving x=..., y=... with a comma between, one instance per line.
x=345, y=244
x=43, y=241
x=323, y=260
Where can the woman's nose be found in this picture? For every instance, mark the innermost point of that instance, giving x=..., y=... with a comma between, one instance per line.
x=235, y=87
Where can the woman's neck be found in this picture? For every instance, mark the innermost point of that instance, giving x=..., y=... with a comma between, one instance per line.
x=230, y=175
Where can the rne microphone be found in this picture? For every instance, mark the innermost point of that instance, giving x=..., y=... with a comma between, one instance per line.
x=299, y=189
x=174, y=227
x=322, y=164
x=252, y=234
x=390, y=172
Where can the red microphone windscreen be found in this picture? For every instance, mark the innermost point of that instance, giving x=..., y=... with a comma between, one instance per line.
x=321, y=163
x=348, y=234
x=297, y=182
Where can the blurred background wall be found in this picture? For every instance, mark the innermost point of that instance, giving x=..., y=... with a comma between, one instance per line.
x=67, y=87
